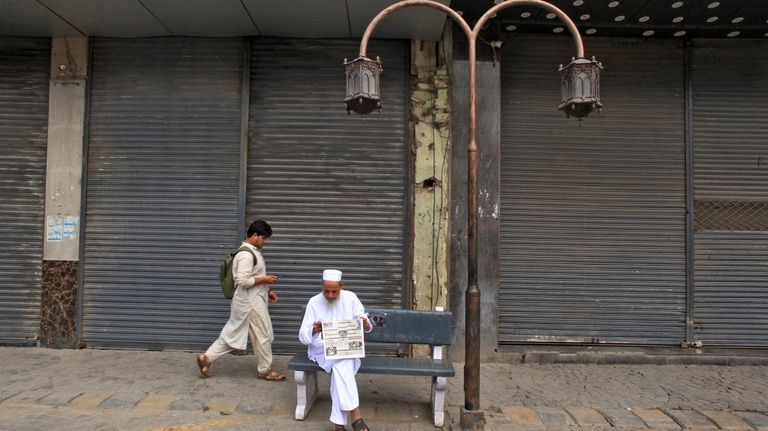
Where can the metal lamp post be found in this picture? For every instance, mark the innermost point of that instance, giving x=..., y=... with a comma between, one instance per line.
x=580, y=81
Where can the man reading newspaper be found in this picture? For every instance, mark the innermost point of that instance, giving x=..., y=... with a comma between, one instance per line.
x=333, y=305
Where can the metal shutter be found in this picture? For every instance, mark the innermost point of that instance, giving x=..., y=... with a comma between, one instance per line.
x=162, y=190
x=730, y=136
x=592, y=217
x=24, y=82
x=331, y=185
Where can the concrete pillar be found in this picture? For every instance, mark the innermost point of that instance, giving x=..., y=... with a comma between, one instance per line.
x=430, y=114
x=63, y=190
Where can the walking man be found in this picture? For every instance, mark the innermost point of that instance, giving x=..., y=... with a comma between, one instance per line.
x=333, y=303
x=249, y=312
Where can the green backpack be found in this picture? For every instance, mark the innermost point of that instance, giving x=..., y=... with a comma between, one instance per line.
x=225, y=272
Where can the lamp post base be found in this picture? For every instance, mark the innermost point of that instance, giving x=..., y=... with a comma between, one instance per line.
x=472, y=420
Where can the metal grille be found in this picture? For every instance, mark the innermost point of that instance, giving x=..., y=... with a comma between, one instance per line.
x=24, y=81
x=731, y=216
x=162, y=190
x=332, y=185
x=592, y=241
x=730, y=131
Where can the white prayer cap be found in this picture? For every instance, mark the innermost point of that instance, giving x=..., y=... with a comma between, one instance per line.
x=332, y=275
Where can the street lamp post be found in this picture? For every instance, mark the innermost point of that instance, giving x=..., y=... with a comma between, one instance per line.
x=580, y=81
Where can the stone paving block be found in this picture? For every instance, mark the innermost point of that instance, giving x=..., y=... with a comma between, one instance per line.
x=622, y=418
x=29, y=397
x=554, y=417
x=280, y=408
x=58, y=399
x=90, y=400
x=495, y=419
x=123, y=400
x=227, y=406
x=255, y=407
x=420, y=426
x=186, y=404
x=491, y=423
x=523, y=416
x=691, y=419
x=397, y=412
x=757, y=420
x=656, y=419
x=4, y=395
x=155, y=402
x=726, y=420
x=587, y=417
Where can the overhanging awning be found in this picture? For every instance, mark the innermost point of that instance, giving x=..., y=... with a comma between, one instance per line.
x=148, y=18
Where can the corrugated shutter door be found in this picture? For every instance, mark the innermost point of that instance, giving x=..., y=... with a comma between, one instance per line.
x=162, y=190
x=331, y=185
x=24, y=81
x=592, y=217
x=730, y=135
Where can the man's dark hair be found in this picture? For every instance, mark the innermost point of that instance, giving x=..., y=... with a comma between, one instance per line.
x=260, y=227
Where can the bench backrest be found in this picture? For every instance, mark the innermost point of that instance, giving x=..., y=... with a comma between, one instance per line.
x=394, y=325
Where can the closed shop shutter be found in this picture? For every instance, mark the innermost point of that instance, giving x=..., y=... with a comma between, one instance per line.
x=331, y=185
x=162, y=190
x=730, y=136
x=592, y=245
x=24, y=81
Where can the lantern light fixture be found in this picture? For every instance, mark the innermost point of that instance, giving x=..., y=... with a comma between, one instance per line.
x=363, y=95
x=580, y=85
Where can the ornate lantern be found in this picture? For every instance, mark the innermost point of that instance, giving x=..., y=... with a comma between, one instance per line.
x=363, y=85
x=580, y=84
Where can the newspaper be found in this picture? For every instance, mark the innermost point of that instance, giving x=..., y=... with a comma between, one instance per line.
x=343, y=339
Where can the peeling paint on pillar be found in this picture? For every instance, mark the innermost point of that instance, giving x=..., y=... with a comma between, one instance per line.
x=430, y=119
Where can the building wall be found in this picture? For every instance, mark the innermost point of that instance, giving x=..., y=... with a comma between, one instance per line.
x=436, y=247
x=61, y=300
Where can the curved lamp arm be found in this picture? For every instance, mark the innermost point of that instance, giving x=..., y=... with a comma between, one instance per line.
x=473, y=33
x=406, y=3
x=538, y=3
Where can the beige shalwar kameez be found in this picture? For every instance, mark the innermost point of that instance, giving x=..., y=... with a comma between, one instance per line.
x=249, y=313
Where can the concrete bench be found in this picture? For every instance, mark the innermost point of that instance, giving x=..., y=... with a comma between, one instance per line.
x=391, y=326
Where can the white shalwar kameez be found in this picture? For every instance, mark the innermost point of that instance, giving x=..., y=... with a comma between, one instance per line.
x=344, y=397
x=249, y=312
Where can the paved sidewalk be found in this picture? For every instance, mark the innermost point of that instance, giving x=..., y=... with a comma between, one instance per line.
x=45, y=389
